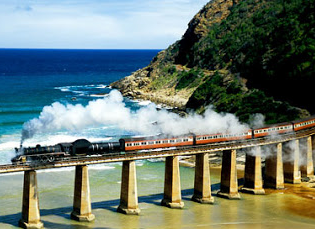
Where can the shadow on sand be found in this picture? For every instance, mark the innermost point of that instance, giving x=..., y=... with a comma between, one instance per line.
x=110, y=205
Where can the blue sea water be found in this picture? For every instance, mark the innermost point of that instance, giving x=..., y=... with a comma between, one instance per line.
x=33, y=78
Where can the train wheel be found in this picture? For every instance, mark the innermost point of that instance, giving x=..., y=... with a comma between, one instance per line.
x=51, y=158
x=44, y=159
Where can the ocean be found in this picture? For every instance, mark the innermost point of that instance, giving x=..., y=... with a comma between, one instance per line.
x=33, y=80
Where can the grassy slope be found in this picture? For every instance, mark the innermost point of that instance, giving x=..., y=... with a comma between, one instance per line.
x=240, y=56
x=267, y=44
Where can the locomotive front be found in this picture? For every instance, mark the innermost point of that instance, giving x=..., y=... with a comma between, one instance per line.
x=48, y=154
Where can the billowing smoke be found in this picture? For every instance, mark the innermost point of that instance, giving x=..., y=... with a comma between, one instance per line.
x=257, y=120
x=112, y=110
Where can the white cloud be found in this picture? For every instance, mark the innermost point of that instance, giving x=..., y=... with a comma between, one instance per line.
x=94, y=24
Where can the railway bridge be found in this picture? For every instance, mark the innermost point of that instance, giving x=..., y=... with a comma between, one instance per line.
x=277, y=172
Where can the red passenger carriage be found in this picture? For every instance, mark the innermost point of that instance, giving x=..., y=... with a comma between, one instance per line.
x=273, y=130
x=304, y=124
x=155, y=142
x=211, y=138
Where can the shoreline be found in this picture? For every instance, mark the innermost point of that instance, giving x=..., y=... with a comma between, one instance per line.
x=306, y=189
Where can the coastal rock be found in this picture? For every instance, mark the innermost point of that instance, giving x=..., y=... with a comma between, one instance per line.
x=230, y=58
x=145, y=83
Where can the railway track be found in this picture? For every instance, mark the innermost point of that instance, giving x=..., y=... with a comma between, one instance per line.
x=158, y=153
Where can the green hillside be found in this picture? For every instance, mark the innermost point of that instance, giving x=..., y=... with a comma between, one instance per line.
x=244, y=57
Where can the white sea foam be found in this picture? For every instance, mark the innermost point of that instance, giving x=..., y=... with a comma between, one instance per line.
x=80, y=93
x=101, y=86
x=9, y=145
x=144, y=103
x=84, y=90
x=75, y=87
x=64, y=169
x=140, y=163
x=156, y=159
x=107, y=166
x=101, y=167
x=99, y=95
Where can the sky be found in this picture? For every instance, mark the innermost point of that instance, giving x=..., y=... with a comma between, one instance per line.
x=95, y=24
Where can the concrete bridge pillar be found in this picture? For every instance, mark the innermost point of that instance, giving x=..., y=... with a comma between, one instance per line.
x=30, y=206
x=274, y=169
x=291, y=165
x=253, y=175
x=81, y=199
x=202, y=187
x=307, y=166
x=229, y=184
x=129, y=194
x=172, y=191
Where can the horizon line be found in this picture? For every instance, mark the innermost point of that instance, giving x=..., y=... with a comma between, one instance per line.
x=81, y=49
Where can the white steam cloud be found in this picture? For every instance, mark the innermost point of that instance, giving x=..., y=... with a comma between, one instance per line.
x=112, y=110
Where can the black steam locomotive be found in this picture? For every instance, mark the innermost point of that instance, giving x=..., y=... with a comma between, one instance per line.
x=48, y=154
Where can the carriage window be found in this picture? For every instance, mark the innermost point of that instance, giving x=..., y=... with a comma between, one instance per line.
x=172, y=141
x=165, y=141
x=143, y=143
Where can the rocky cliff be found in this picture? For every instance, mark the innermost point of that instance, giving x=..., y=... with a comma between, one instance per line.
x=243, y=57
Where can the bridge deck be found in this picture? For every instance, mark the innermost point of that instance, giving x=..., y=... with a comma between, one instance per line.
x=147, y=154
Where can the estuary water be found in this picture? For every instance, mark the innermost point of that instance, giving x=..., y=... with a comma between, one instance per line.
x=33, y=79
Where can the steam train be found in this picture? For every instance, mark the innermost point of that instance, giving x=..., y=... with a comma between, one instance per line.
x=82, y=147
